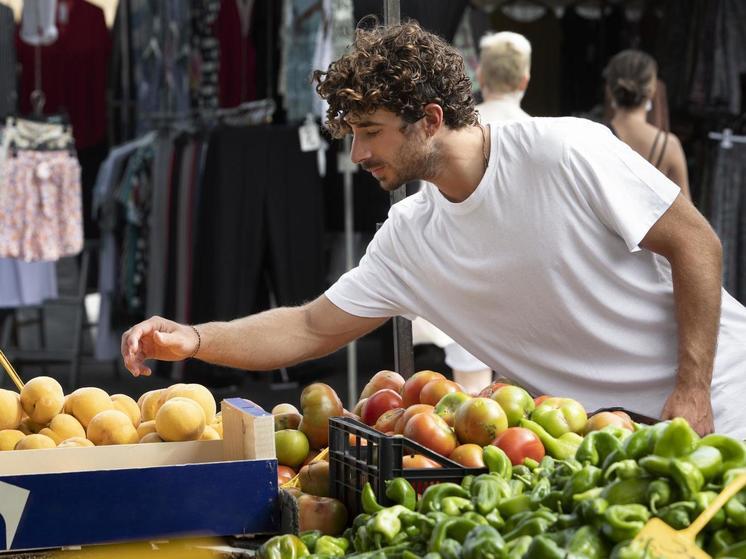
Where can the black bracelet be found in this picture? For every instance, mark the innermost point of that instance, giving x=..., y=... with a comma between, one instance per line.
x=199, y=342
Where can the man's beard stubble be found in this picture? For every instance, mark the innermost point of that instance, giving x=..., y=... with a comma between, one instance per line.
x=413, y=163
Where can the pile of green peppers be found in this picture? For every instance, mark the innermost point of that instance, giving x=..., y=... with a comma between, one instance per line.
x=589, y=505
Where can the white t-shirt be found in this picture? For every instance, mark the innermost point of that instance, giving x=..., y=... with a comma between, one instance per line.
x=552, y=288
x=506, y=109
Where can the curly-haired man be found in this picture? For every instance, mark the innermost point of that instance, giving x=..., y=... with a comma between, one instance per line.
x=547, y=248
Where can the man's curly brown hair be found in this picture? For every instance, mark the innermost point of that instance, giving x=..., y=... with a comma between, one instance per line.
x=400, y=68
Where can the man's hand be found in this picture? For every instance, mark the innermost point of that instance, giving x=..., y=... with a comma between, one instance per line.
x=157, y=338
x=694, y=405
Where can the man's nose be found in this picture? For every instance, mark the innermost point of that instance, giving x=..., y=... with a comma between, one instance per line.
x=358, y=152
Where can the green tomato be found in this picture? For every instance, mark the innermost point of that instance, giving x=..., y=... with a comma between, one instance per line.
x=560, y=415
x=515, y=402
x=448, y=404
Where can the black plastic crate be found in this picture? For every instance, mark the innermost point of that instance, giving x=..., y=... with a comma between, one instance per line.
x=358, y=453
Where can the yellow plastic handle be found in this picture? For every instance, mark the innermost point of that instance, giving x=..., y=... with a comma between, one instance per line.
x=728, y=491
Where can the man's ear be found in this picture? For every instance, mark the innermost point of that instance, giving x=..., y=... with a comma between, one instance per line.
x=433, y=119
x=524, y=82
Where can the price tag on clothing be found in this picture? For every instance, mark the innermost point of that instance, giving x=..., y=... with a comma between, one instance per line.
x=310, y=138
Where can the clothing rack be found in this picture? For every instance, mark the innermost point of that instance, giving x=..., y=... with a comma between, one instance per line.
x=256, y=112
x=727, y=138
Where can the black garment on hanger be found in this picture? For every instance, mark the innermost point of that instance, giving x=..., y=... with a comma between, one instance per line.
x=261, y=217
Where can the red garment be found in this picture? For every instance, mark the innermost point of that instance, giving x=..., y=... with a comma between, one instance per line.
x=74, y=71
x=237, y=74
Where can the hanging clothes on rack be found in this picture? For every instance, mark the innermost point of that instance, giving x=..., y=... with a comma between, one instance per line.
x=8, y=92
x=238, y=64
x=40, y=193
x=725, y=185
x=23, y=283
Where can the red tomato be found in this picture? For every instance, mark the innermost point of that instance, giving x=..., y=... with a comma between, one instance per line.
x=539, y=399
x=382, y=401
x=519, y=443
x=387, y=421
x=381, y=380
x=469, y=455
x=414, y=461
x=434, y=390
x=409, y=414
x=284, y=474
x=411, y=390
x=431, y=431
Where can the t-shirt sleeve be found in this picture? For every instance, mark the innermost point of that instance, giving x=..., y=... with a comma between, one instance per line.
x=374, y=288
x=624, y=190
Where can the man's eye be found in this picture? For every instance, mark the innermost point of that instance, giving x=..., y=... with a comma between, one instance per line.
x=370, y=134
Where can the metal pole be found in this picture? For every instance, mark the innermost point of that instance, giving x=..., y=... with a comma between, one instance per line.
x=347, y=167
x=403, y=350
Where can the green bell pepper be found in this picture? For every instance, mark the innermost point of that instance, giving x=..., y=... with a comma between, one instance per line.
x=688, y=478
x=677, y=439
x=497, y=461
x=631, y=550
x=535, y=523
x=623, y=522
x=514, y=505
x=450, y=549
x=433, y=495
x=483, y=542
x=656, y=465
x=467, y=481
x=286, y=546
x=454, y=506
x=659, y=494
x=368, y=500
x=597, y=446
x=584, y=479
x=309, y=539
x=401, y=492
x=708, y=460
x=557, y=447
x=455, y=528
x=386, y=523
x=732, y=451
x=626, y=491
x=331, y=546
x=487, y=490
x=735, y=511
x=494, y=519
x=592, y=511
x=518, y=548
x=701, y=501
x=678, y=515
x=540, y=491
x=543, y=547
x=735, y=551
x=624, y=469
x=639, y=444
x=587, y=543
x=719, y=541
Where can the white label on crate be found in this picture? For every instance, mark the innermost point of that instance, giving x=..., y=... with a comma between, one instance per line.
x=12, y=502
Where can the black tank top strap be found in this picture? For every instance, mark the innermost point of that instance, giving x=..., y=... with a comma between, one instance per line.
x=663, y=150
x=655, y=145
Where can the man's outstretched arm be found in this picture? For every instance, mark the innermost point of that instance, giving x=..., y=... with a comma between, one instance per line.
x=265, y=341
x=683, y=236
